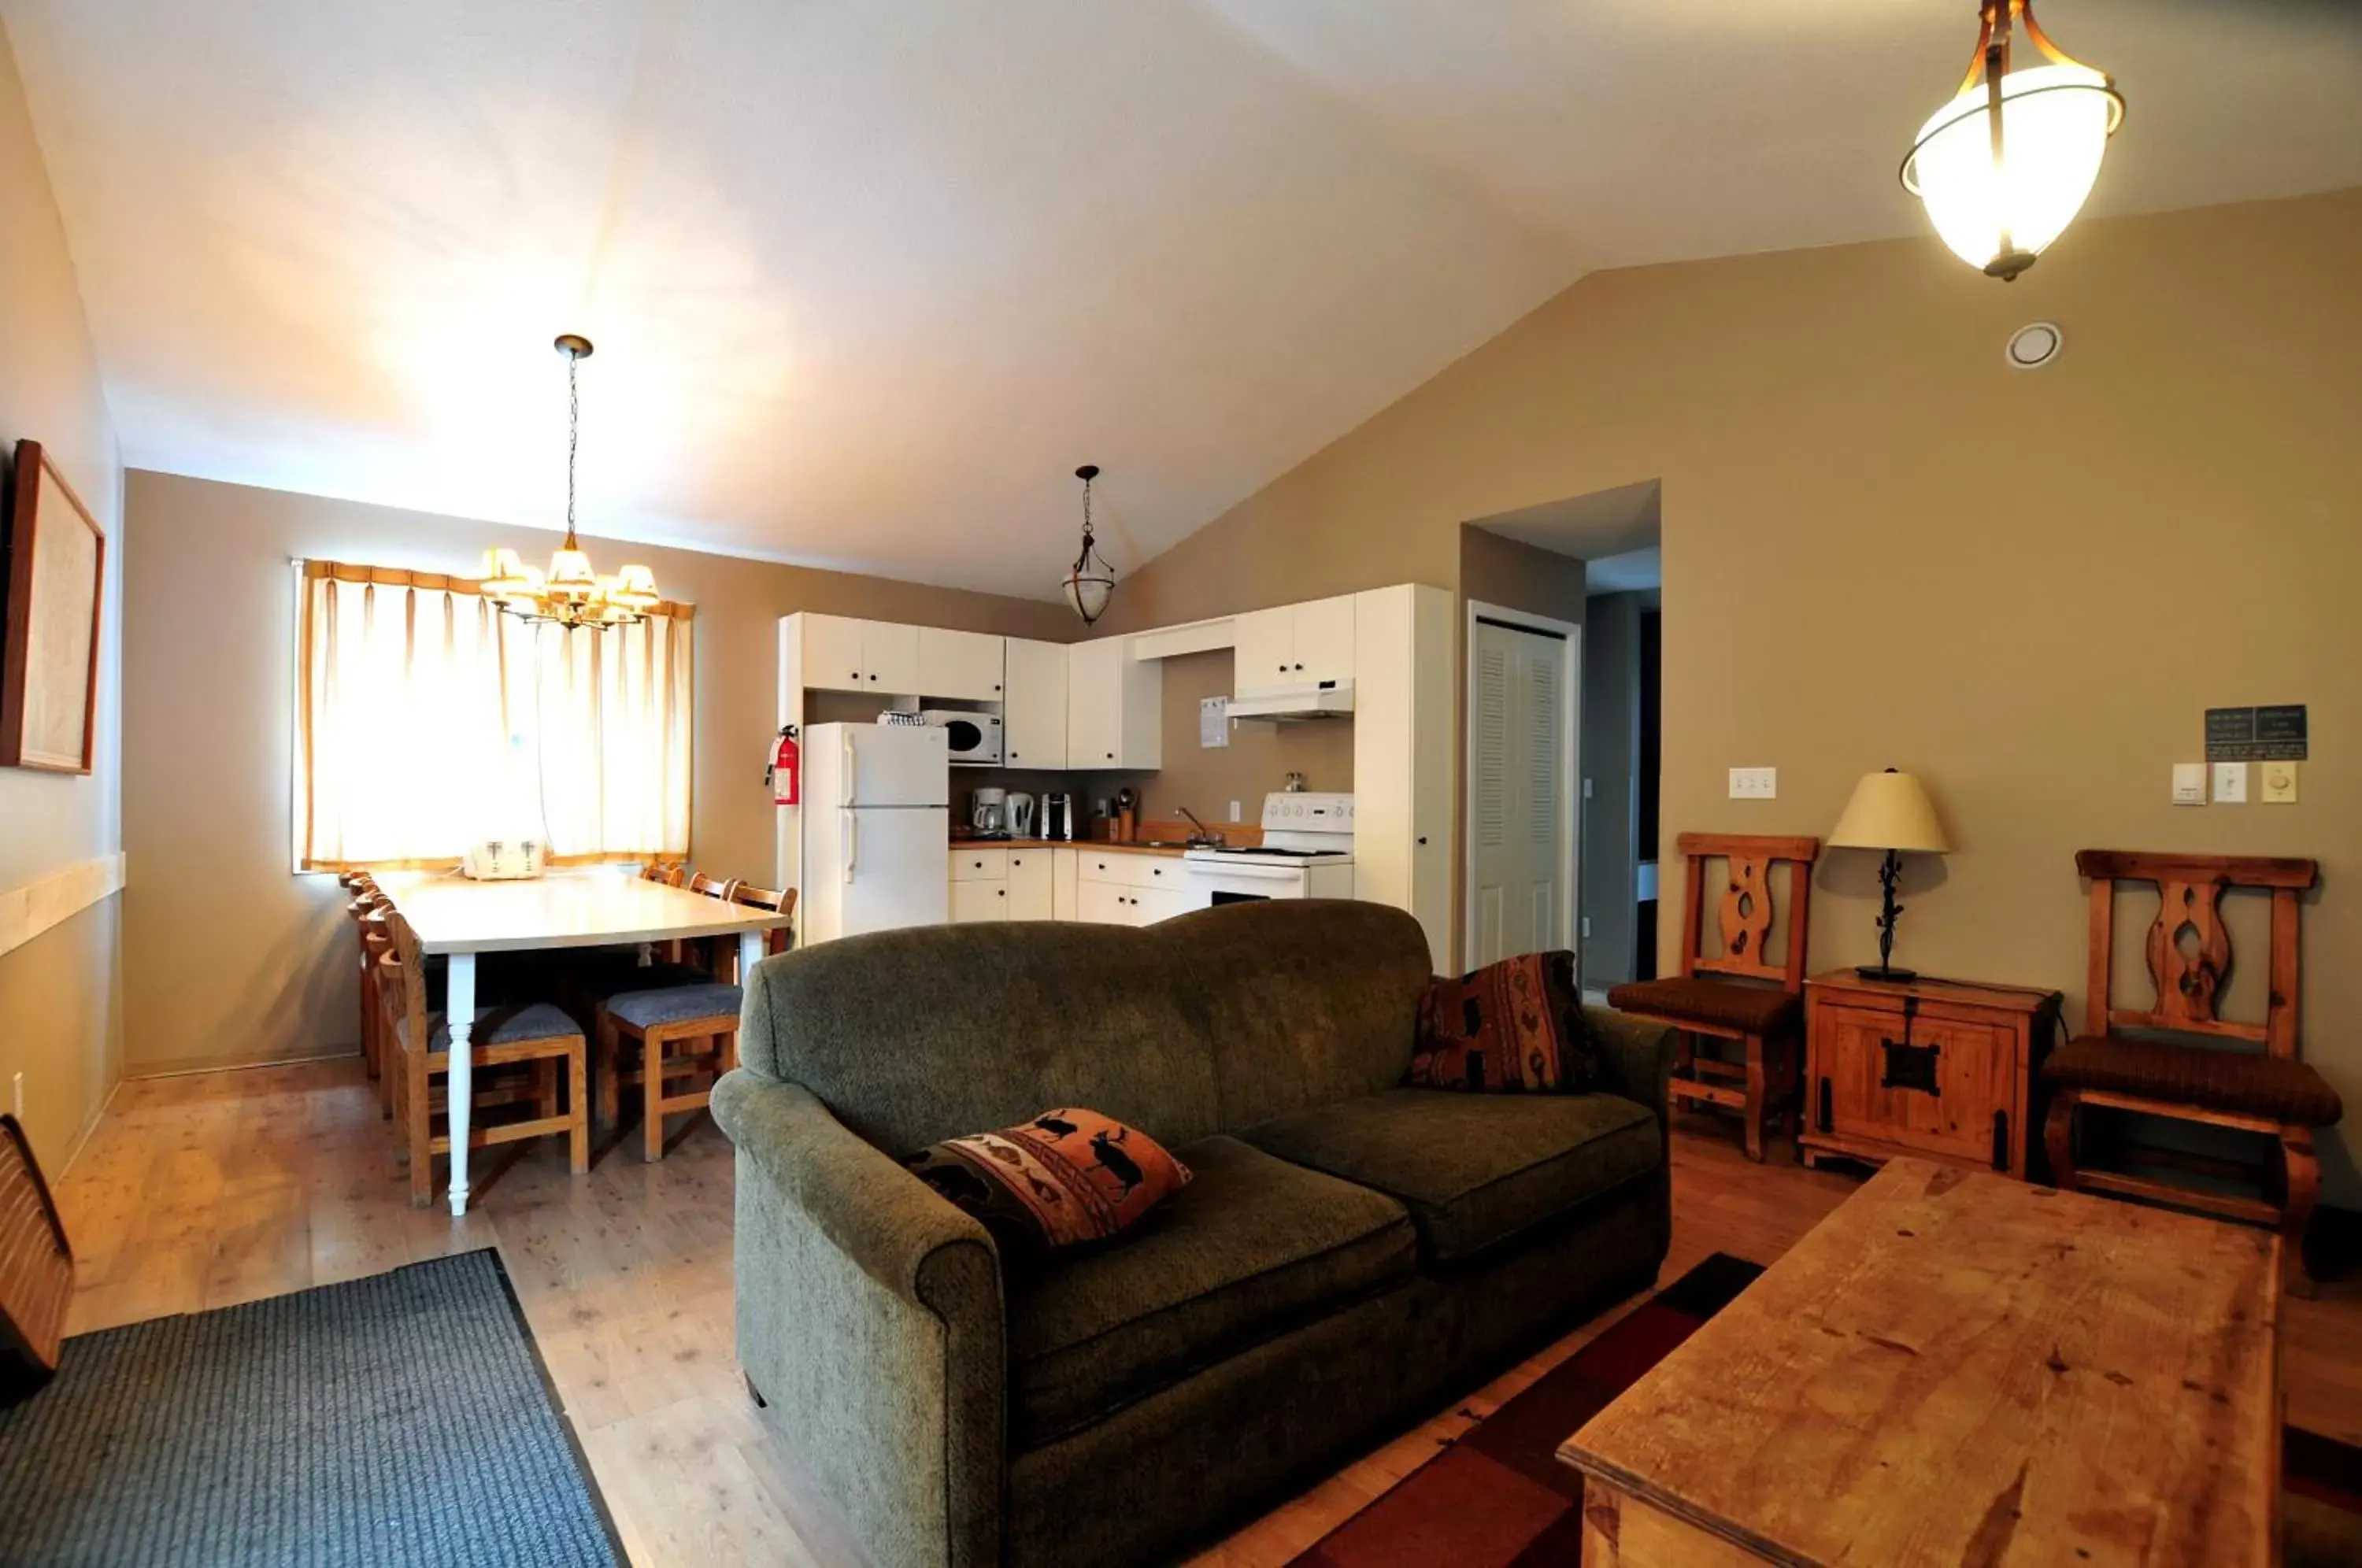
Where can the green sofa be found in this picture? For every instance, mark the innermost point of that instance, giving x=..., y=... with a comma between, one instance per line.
x=1351, y=1256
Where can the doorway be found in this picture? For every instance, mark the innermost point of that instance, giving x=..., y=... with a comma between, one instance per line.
x=1524, y=685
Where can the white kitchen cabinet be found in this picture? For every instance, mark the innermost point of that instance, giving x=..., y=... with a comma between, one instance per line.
x=1031, y=879
x=844, y=654
x=1034, y=709
x=974, y=901
x=1294, y=644
x=1103, y=904
x=1064, y=890
x=965, y=666
x=1150, y=905
x=891, y=655
x=1115, y=707
x=1405, y=729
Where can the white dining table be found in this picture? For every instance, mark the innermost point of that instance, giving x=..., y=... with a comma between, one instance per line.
x=460, y=919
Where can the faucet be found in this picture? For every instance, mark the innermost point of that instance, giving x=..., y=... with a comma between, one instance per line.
x=1205, y=837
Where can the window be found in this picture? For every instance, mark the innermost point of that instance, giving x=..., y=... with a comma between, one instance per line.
x=427, y=721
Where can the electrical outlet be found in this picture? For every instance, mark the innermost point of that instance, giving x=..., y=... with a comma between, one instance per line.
x=2230, y=783
x=1754, y=783
x=2278, y=784
x=2189, y=783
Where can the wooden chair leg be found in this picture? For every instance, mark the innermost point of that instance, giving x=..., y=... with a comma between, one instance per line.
x=610, y=1063
x=578, y=1106
x=1756, y=1109
x=2058, y=1139
x=418, y=1127
x=2302, y=1193
x=652, y=1047
x=545, y=1086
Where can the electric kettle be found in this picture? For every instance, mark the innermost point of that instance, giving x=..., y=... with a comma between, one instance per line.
x=1020, y=814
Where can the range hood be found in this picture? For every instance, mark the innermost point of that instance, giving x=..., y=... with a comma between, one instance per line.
x=1304, y=699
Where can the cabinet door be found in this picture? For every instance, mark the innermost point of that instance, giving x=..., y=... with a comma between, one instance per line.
x=1266, y=652
x=1933, y=1087
x=1103, y=904
x=1405, y=736
x=964, y=665
x=1029, y=885
x=1095, y=703
x=1324, y=640
x=979, y=900
x=832, y=660
x=1033, y=710
x=889, y=659
x=1064, y=865
x=1150, y=905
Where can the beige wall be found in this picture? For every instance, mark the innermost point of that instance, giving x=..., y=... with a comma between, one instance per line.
x=61, y=1012
x=1883, y=546
x=239, y=960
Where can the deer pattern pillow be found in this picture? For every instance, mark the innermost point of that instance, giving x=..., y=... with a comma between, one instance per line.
x=1068, y=1179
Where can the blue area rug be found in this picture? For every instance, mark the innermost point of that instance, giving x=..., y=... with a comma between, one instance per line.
x=405, y=1418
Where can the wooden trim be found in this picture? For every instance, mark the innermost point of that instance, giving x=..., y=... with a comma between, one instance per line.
x=2178, y=1111
x=2280, y=1003
x=1765, y=846
x=2100, y=950
x=444, y=582
x=2254, y=1210
x=28, y=911
x=2220, y=1028
x=2239, y=870
x=24, y=526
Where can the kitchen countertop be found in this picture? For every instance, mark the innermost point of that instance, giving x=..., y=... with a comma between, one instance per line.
x=958, y=845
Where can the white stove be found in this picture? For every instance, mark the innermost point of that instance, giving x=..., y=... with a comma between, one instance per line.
x=1306, y=853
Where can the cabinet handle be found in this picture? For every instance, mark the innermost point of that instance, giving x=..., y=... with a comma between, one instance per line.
x=1283, y=669
x=1111, y=757
x=855, y=673
x=1422, y=838
x=1156, y=870
x=1299, y=667
x=1001, y=892
x=995, y=686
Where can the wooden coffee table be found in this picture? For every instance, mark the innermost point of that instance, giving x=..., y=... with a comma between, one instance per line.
x=1959, y=1368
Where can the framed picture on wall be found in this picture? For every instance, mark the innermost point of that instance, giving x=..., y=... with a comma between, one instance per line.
x=56, y=570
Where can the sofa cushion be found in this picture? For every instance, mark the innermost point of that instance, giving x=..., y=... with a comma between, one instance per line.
x=1253, y=1247
x=1472, y=1169
x=1725, y=1004
x=1068, y=1177
x=2210, y=1077
x=1515, y=1026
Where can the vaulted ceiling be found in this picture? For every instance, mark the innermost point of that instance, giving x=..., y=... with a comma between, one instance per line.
x=868, y=279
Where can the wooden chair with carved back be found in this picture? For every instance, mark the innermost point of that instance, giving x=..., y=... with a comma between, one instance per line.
x=2271, y=1091
x=1738, y=993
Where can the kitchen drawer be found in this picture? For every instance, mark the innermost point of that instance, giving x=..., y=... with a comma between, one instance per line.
x=1126, y=869
x=1150, y=905
x=974, y=863
x=1929, y=1084
x=975, y=900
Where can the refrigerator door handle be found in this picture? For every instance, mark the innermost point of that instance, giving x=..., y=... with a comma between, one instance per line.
x=852, y=776
x=852, y=833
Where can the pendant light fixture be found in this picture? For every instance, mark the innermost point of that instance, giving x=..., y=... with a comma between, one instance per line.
x=1090, y=581
x=569, y=593
x=2005, y=166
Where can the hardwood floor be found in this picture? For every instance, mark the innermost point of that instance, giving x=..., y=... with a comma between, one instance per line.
x=202, y=1191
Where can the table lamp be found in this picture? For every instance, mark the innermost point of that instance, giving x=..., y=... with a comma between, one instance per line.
x=1889, y=812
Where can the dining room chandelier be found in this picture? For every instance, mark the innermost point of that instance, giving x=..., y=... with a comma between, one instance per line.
x=1090, y=581
x=2005, y=166
x=569, y=593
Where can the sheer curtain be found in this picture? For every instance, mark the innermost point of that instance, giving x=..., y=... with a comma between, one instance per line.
x=427, y=721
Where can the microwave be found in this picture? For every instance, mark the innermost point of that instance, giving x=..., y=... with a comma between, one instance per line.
x=974, y=738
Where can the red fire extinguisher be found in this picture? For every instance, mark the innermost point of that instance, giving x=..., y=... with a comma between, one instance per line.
x=784, y=774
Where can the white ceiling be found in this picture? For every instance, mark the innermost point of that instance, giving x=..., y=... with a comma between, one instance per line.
x=868, y=279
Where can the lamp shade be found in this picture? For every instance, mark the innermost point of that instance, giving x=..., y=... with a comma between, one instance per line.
x=1890, y=811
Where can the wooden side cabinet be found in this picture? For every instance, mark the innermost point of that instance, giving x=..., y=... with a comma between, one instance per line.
x=1938, y=1068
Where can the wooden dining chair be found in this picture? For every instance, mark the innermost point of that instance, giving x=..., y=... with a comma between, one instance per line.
x=1736, y=993
x=366, y=909
x=2272, y=1091
x=537, y=1039
x=684, y=1033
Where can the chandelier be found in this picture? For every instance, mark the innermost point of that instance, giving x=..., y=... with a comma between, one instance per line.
x=2005, y=166
x=1090, y=581
x=569, y=593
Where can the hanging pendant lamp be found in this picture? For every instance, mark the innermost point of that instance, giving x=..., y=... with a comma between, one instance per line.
x=2005, y=166
x=1090, y=581
x=569, y=593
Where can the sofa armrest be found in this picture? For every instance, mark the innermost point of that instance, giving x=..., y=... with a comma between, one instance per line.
x=871, y=1319
x=1636, y=1058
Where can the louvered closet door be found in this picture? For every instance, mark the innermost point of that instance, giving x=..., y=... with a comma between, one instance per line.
x=1518, y=793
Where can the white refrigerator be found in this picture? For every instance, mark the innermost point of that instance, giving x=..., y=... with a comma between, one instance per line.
x=876, y=829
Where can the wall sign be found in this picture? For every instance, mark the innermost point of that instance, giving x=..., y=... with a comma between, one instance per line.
x=2257, y=735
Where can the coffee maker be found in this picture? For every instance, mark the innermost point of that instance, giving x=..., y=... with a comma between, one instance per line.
x=1020, y=814
x=1058, y=817
x=987, y=813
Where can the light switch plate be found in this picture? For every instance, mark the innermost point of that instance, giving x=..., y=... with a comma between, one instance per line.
x=2189, y=783
x=2230, y=783
x=2279, y=783
x=1234, y=811
x=1754, y=783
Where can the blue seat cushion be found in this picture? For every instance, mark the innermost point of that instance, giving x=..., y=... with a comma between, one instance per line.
x=677, y=1004
x=499, y=1026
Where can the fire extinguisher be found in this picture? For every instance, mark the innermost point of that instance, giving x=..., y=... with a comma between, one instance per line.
x=784, y=774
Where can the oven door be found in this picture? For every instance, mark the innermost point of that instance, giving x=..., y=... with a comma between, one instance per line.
x=1240, y=882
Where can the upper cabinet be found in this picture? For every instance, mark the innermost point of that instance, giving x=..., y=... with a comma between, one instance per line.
x=966, y=666
x=1034, y=711
x=845, y=655
x=1294, y=644
x=1115, y=707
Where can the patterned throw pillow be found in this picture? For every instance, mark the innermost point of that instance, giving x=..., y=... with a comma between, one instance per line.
x=1513, y=1027
x=1066, y=1179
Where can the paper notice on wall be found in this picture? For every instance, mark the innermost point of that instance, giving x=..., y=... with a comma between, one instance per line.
x=1213, y=721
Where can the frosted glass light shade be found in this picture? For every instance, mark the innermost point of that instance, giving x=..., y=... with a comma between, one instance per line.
x=1088, y=594
x=2055, y=121
x=502, y=573
x=635, y=587
x=1890, y=811
x=570, y=573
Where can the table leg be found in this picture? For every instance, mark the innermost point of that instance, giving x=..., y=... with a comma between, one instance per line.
x=750, y=952
x=459, y=1008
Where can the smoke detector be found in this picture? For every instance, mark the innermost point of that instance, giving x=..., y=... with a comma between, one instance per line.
x=2034, y=345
